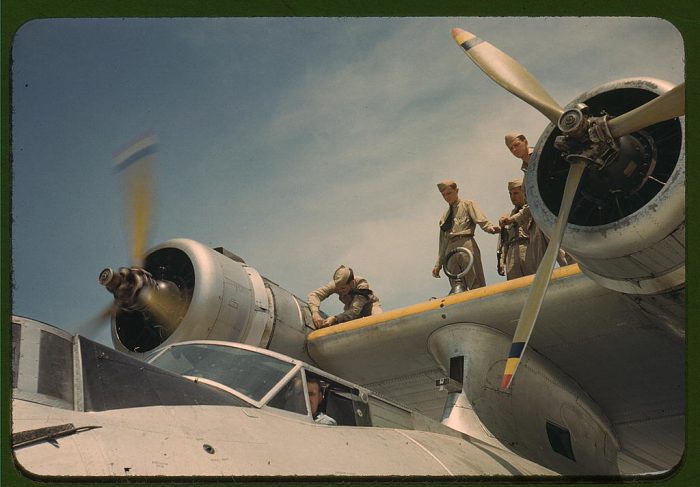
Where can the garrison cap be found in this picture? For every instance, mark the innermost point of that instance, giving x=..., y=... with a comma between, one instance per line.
x=511, y=137
x=515, y=183
x=443, y=185
x=342, y=275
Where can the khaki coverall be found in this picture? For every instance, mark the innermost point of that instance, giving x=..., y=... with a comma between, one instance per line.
x=354, y=305
x=467, y=215
x=513, y=249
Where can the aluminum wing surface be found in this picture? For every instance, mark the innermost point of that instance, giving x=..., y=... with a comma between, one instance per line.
x=597, y=353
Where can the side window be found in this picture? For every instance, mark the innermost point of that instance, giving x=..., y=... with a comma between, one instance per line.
x=560, y=440
x=347, y=407
x=291, y=396
x=334, y=403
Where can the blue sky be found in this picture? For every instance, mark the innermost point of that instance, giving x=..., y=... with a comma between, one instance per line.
x=297, y=143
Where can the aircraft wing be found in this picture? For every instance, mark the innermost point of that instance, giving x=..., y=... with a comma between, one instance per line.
x=626, y=361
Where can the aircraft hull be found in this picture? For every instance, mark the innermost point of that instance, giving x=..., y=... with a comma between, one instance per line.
x=226, y=441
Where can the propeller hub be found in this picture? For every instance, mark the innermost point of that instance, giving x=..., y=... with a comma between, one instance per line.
x=623, y=174
x=106, y=278
x=126, y=284
x=572, y=121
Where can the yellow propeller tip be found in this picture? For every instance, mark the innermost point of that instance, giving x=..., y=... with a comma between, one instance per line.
x=461, y=36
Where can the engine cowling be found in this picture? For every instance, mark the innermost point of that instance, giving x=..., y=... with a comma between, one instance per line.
x=222, y=298
x=627, y=223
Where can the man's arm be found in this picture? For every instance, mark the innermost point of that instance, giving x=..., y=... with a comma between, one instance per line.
x=480, y=219
x=442, y=245
x=354, y=311
x=314, y=300
x=522, y=217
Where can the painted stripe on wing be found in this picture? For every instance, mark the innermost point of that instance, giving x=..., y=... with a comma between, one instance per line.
x=442, y=303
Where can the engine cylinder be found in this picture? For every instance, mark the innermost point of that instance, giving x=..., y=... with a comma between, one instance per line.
x=627, y=223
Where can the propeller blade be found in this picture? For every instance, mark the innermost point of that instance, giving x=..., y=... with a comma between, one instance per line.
x=92, y=325
x=528, y=315
x=134, y=162
x=139, y=191
x=508, y=73
x=665, y=107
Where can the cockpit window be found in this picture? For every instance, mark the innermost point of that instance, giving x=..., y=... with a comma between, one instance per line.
x=250, y=373
x=347, y=407
x=344, y=404
x=291, y=396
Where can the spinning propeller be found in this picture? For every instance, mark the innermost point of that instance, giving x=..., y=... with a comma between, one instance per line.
x=584, y=141
x=134, y=288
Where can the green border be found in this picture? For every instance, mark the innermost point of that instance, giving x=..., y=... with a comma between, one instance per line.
x=13, y=13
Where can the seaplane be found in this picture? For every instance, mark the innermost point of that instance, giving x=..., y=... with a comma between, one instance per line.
x=577, y=371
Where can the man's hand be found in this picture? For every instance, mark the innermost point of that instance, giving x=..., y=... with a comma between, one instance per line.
x=329, y=322
x=317, y=319
x=436, y=271
x=504, y=220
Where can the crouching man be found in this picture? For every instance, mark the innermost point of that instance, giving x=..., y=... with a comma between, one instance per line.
x=353, y=291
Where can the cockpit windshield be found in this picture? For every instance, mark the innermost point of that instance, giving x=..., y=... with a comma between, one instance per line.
x=250, y=373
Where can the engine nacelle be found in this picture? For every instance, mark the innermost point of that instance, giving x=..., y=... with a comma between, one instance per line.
x=225, y=300
x=627, y=224
x=547, y=417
